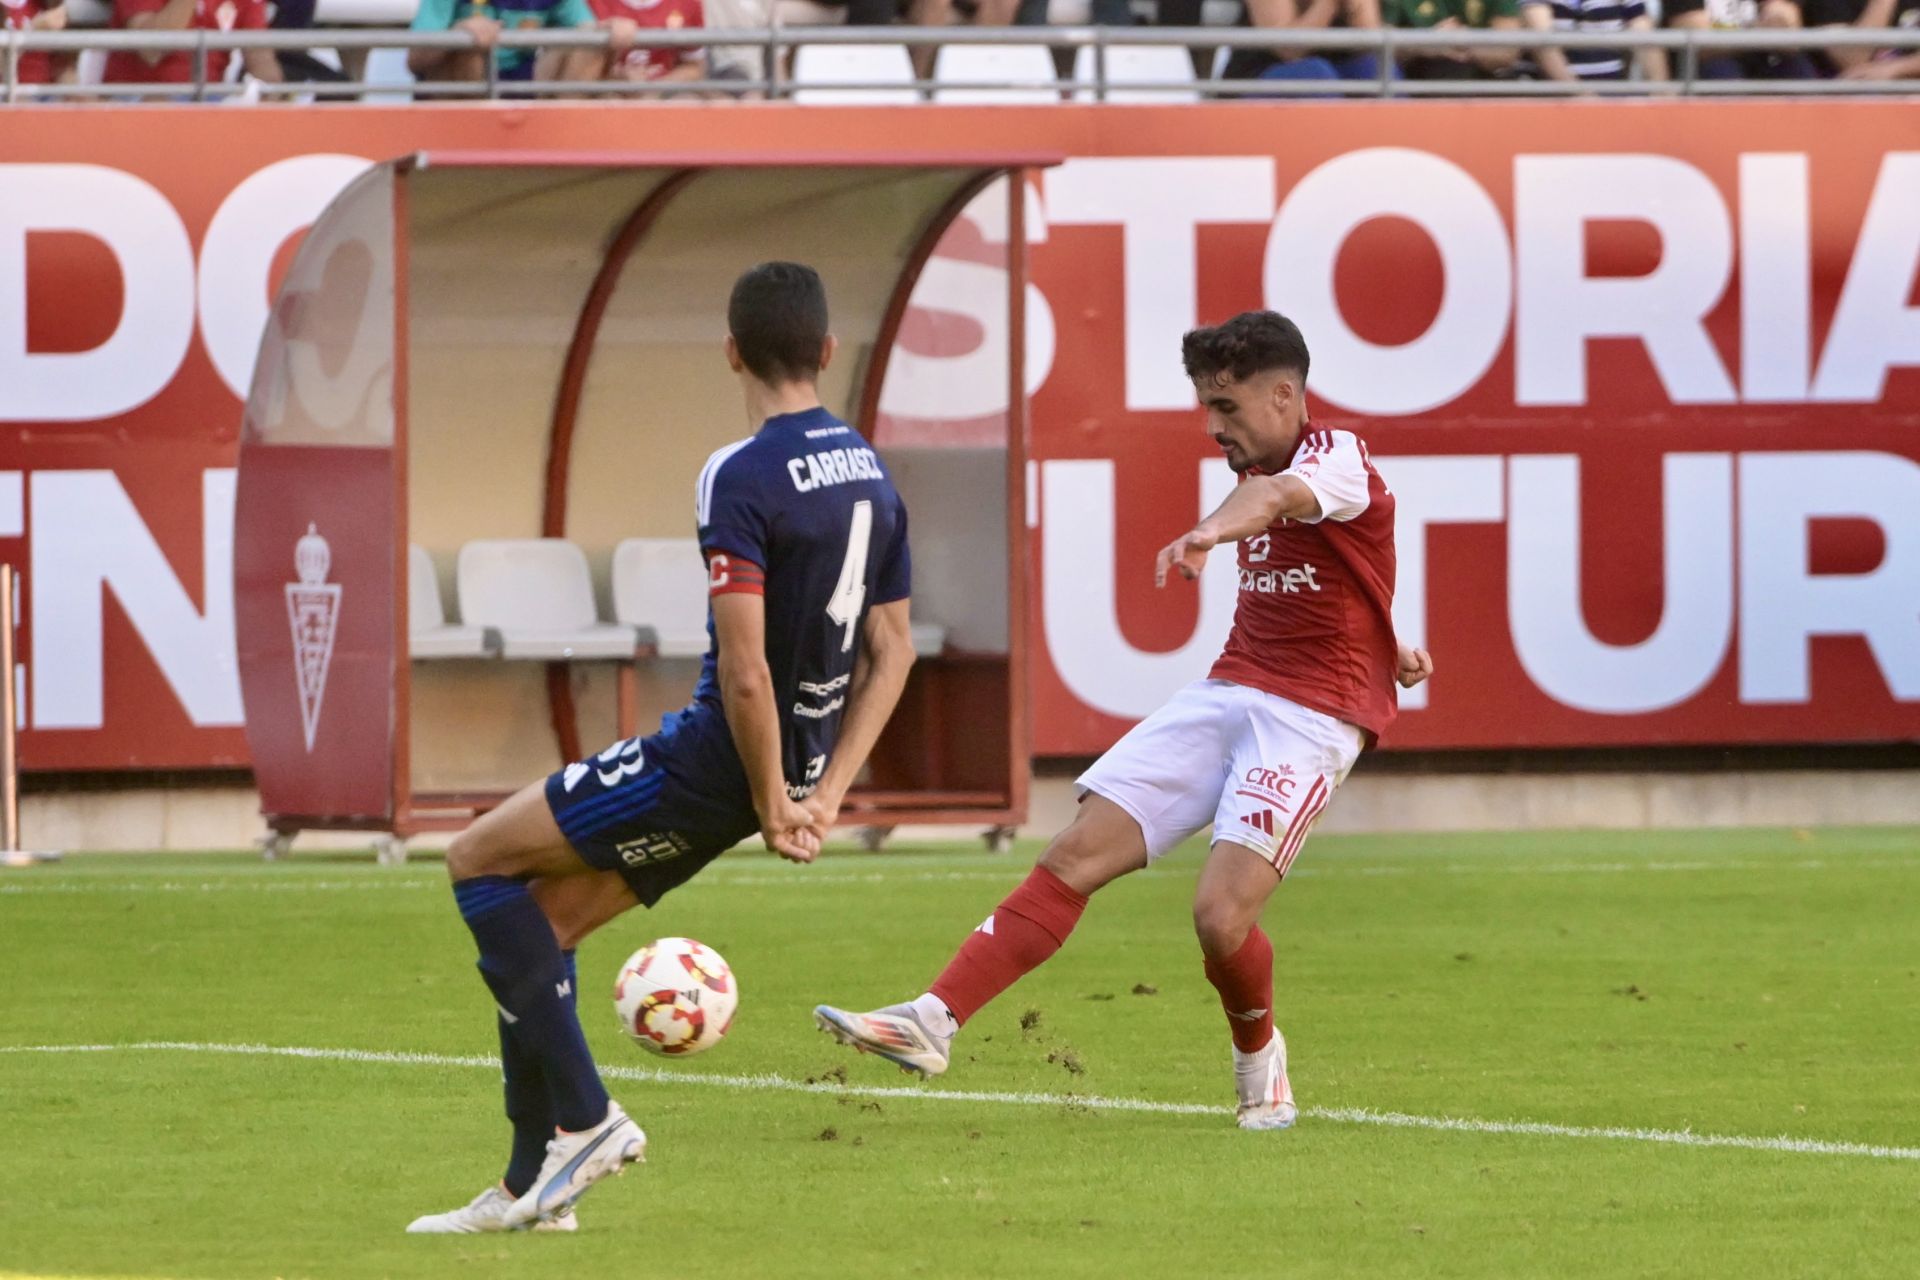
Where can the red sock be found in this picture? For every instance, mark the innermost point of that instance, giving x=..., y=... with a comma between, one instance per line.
x=1021, y=933
x=1245, y=983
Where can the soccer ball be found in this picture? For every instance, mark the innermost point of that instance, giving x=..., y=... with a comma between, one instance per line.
x=675, y=996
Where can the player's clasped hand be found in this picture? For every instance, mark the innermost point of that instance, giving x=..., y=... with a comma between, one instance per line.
x=787, y=831
x=824, y=811
x=1187, y=553
x=1414, y=666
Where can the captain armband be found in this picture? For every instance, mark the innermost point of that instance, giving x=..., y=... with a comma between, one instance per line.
x=729, y=573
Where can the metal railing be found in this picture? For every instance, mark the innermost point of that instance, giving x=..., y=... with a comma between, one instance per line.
x=776, y=42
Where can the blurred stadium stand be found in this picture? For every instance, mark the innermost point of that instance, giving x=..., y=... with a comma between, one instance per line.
x=806, y=56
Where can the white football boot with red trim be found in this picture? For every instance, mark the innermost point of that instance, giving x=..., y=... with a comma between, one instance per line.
x=895, y=1033
x=1266, y=1099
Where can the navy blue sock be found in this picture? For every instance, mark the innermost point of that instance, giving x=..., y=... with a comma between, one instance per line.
x=533, y=985
x=529, y=1106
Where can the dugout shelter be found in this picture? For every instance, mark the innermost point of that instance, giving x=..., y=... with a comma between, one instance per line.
x=463, y=532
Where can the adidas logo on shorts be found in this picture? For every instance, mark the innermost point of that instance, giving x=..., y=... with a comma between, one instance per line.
x=1259, y=820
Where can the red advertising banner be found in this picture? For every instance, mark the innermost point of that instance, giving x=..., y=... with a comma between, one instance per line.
x=1644, y=377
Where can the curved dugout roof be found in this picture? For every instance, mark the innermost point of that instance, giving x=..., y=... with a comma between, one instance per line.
x=553, y=318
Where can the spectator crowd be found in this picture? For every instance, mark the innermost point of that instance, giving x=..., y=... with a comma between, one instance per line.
x=628, y=56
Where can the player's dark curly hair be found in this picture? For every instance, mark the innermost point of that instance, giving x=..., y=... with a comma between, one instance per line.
x=1252, y=342
x=778, y=318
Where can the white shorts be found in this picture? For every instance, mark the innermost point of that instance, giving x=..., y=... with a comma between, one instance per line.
x=1259, y=767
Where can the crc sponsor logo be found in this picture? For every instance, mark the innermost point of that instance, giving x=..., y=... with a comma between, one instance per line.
x=1268, y=582
x=1277, y=782
x=656, y=846
x=1271, y=788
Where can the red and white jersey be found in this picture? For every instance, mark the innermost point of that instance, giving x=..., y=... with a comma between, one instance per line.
x=641, y=62
x=1314, y=623
x=18, y=15
x=177, y=68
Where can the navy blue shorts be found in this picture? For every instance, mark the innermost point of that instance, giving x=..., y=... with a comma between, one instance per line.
x=634, y=809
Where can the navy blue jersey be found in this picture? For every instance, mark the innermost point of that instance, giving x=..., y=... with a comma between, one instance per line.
x=808, y=504
x=803, y=513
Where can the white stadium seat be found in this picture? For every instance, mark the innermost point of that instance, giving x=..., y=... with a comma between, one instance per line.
x=1025, y=67
x=388, y=69
x=1137, y=72
x=660, y=588
x=429, y=634
x=886, y=67
x=929, y=639
x=538, y=592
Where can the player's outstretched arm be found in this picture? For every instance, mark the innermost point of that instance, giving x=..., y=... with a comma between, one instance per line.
x=753, y=717
x=1252, y=507
x=879, y=674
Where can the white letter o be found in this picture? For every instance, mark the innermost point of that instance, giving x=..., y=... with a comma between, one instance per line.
x=1447, y=203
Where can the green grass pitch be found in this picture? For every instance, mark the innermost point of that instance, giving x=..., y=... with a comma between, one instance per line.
x=1755, y=985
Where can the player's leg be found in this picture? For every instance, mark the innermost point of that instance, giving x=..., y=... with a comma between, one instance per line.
x=1286, y=763
x=529, y=1103
x=1157, y=785
x=1227, y=904
x=529, y=1110
x=493, y=865
x=574, y=906
x=1101, y=844
x=577, y=905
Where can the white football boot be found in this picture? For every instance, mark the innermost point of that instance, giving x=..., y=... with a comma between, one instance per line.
x=895, y=1033
x=485, y=1212
x=1266, y=1099
x=575, y=1161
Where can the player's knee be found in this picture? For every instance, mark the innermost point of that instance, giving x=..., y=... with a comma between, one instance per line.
x=460, y=857
x=471, y=854
x=1079, y=860
x=1221, y=924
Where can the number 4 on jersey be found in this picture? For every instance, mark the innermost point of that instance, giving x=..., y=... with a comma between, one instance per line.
x=851, y=591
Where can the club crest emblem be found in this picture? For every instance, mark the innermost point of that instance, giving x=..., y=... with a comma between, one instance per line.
x=313, y=611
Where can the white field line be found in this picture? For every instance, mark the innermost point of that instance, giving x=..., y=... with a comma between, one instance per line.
x=378, y=881
x=769, y=1082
